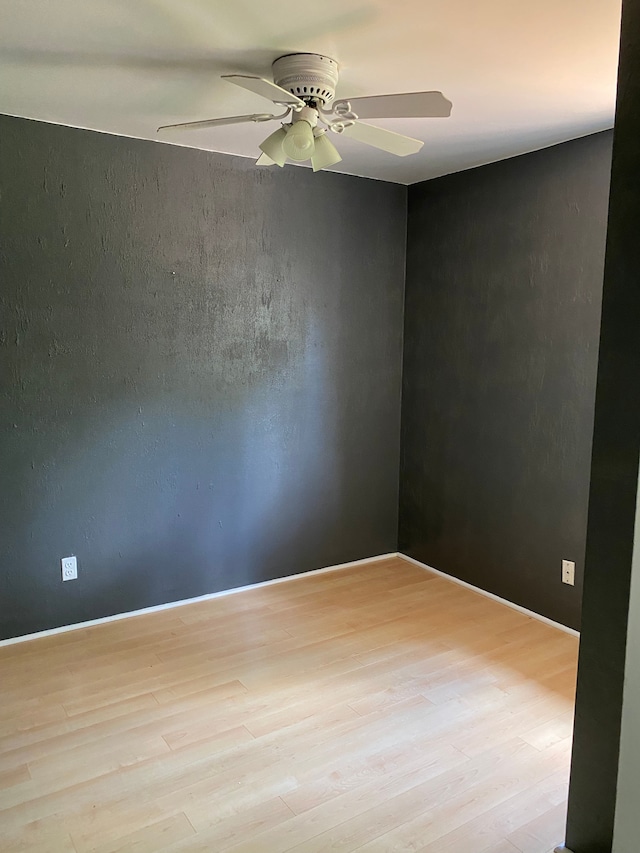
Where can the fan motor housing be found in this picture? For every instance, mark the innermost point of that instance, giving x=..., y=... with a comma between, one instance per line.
x=310, y=76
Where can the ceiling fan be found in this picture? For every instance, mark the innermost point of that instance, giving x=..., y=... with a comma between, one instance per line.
x=305, y=85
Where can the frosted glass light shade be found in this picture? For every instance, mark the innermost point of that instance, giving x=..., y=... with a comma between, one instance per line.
x=265, y=160
x=299, y=143
x=272, y=146
x=325, y=154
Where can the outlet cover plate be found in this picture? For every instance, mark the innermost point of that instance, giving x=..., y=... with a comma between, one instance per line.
x=69, y=566
x=568, y=572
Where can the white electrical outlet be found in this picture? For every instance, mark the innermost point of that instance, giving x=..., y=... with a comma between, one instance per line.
x=568, y=572
x=69, y=567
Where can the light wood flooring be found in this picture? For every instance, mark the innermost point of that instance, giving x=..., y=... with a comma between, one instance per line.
x=378, y=708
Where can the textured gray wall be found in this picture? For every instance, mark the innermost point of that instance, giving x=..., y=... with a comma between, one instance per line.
x=503, y=290
x=201, y=365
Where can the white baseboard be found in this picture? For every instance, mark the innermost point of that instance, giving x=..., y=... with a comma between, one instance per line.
x=158, y=607
x=497, y=598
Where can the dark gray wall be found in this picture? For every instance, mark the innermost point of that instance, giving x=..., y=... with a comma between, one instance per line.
x=200, y=363
x=599, y=798
x=503, y=289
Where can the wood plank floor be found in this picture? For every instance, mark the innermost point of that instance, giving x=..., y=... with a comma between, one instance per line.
x=377, y=708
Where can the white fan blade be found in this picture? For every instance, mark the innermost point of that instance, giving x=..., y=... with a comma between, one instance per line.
x=407, y=105
x=385, y=140
x=266, y=88
x=218, y=122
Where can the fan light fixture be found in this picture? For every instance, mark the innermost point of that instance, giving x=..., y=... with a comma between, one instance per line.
x=299, y=141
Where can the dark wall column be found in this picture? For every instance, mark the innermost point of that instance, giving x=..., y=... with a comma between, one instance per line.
x=598, y=798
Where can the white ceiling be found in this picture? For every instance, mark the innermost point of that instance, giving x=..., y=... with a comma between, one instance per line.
x=521, y=75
